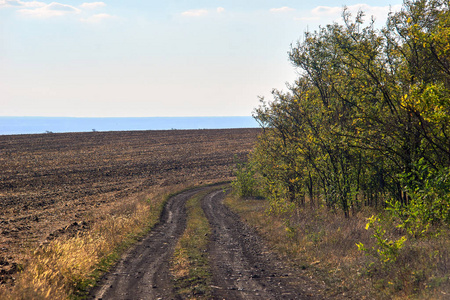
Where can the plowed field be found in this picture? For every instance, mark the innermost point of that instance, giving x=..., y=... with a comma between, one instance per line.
x=50, y=182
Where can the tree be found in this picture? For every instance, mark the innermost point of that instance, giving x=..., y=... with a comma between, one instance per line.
x=367, y=106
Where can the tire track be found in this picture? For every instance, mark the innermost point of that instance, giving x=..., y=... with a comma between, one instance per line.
x=143, y=273
x=242, y=267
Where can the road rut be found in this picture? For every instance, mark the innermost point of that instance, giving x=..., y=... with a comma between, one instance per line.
x=143, y=273
x=242, y=266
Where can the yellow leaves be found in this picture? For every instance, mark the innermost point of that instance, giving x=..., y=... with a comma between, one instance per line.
x=406, y=101
x=294, y=180
x=311, y=138
x=432, y=102
x=356, y=121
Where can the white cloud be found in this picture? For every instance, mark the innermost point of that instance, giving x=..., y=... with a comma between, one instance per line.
x=18, y=3
x=282, y=9
x=379, y=12
x=53, y=9
x=202, y=12
x=36, y=9
x=335, y=12
x=93, y=5
x=8, y=3
x=98, y=18
x=195, y=13
x=327, y=11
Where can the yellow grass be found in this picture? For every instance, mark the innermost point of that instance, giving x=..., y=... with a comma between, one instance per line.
x=66, y=267
x=323, y=243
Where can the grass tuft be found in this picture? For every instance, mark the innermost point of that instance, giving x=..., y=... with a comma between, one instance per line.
x=323, y=244
x=190, y=264
x=67, y=267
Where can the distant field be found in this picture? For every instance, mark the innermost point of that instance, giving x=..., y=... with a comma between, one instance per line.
x=50, y=182
x=28, y=125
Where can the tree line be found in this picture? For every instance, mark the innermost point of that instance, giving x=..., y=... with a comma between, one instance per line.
x=367, y=121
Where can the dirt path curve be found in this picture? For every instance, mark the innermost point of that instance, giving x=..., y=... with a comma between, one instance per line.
x=144, y=271
x=242, y=266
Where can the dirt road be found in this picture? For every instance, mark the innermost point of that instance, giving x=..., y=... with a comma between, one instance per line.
x=144, y=271
x=242, y=266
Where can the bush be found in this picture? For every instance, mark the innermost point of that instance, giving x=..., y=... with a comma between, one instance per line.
x=386, y=250
x=245, y=184
x=428, y=190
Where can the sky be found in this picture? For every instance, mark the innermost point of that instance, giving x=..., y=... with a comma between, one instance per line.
x=151, y=58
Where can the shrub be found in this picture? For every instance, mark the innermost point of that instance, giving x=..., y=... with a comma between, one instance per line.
x=428, y=190
x=245, y=184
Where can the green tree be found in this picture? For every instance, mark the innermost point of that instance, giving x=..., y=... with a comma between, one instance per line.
x=367, y=106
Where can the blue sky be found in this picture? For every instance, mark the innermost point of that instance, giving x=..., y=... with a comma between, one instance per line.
x=154, y=58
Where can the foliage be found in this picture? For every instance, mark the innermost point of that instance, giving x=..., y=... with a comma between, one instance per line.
x=386, y=250
x=245, y=183
x=365, y=127
x=368, y=105
x=321, y=245
x=429, y=203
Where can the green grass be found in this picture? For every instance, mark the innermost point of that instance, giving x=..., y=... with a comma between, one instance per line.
x=190, y=262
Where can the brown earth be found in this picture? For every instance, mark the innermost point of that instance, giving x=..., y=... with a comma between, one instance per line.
x=242, y=266
x=49, y=183
x=143, y=272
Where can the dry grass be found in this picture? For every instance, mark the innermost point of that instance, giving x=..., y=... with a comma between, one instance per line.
x=324, y=244
x=72, y=189
x=50, y=182
x=66, y=267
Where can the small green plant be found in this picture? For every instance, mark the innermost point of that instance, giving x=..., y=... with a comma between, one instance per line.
x=245, y=184
x=386, y=250
x=278, y=203
x=290, y=229
x=429, y=199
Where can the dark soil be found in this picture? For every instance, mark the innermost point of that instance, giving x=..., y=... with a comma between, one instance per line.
x=242, y=266
x=144, y=271
x=49, y=183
